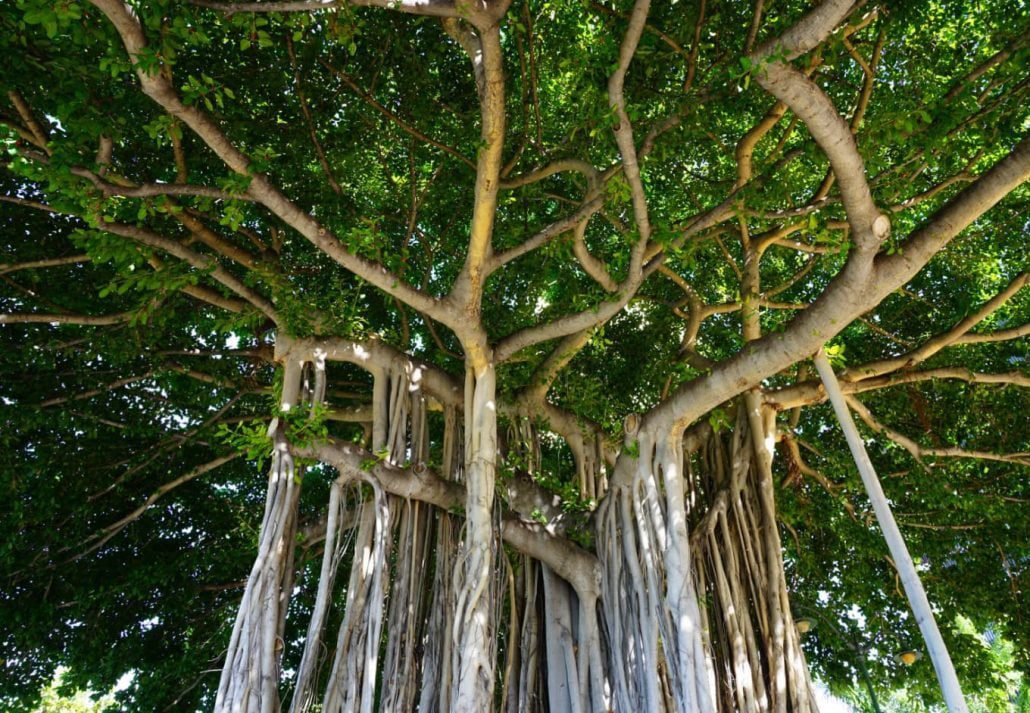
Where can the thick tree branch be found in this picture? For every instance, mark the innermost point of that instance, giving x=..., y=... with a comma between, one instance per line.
x=828, y=128
x=856, y=290
x=568, y=560
x=484, y=50
x=624, y=128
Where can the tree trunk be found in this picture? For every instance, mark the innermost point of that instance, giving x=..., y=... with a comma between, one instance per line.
x=473, y=652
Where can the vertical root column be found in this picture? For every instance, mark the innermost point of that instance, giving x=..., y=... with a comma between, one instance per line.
x=250, y=676
x=357, y=680
x=587, y=449
x=352, y=680
x=651, y=615
x=473, y=635
x=436, y=669
x=758, y=658
x=305, y=690
x=555, y=662
x=407, y=615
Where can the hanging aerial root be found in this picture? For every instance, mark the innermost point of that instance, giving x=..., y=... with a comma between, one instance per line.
x=250, y=675
x=653, y=625
x=759, y=665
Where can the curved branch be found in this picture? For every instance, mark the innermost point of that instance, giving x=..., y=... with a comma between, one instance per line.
x=624, y=129
x=585, y=168
x=918, y=452
x=298, y=89
x=816, y=109
x=563, y=326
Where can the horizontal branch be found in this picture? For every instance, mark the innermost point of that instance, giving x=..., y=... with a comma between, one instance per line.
x=570, y=561
x=1002, y=335
x=807, y=393
x=151, y=190
x=95, y=392
x=434, y=8
x=918, y=452
x=49, y=262
x=15, y=200
x=80, y=319
x=433, y=380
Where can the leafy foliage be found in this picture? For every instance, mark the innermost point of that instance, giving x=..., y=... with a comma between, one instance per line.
x=95, y=418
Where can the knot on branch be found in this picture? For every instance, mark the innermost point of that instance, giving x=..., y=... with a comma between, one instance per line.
x=882, y=227
x=631, y=424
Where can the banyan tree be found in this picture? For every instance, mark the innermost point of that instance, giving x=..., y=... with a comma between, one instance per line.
x=453, y=355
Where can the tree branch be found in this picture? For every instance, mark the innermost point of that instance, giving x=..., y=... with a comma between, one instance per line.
x=858, y=288
x=81, y=319
x=113, y=529
x=918, y=452
x=6, y=268
x=568, y=560
x=828, y=128
x=404, y=125
x=433, y=8
x=157, y=87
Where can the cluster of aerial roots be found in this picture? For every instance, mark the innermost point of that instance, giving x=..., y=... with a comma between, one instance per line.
x=395, y=574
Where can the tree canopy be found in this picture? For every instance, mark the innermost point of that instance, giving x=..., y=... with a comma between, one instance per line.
x=673, y=221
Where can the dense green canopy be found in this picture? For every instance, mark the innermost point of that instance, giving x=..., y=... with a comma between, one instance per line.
x=141, y=287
